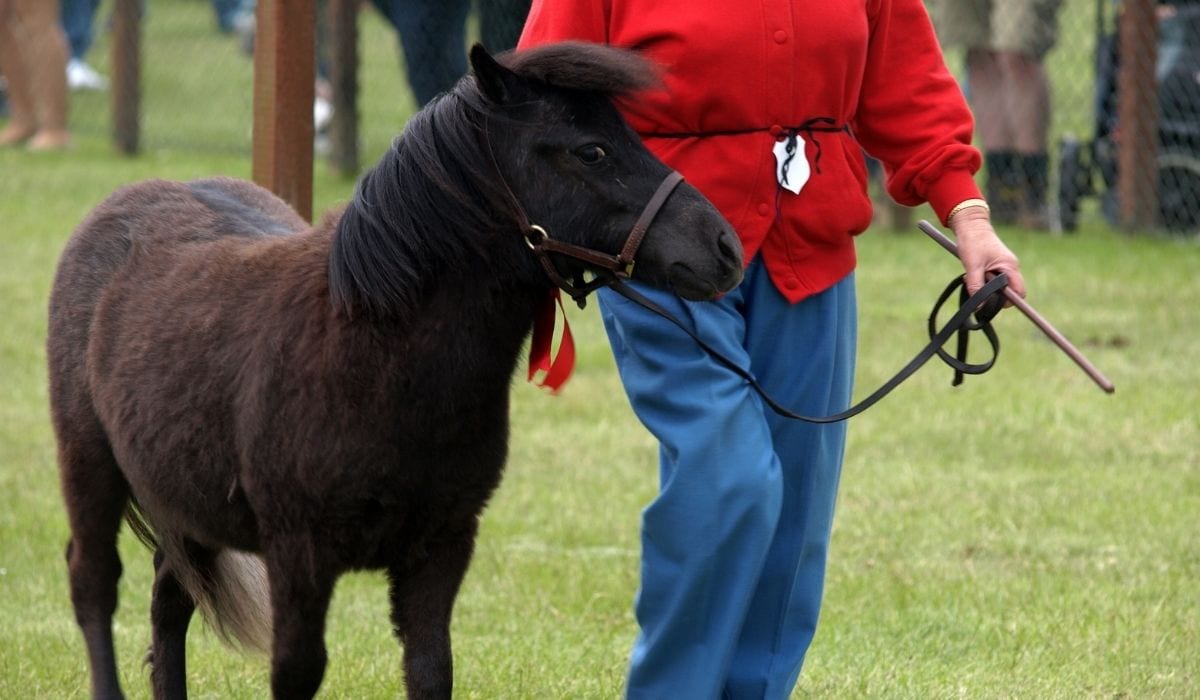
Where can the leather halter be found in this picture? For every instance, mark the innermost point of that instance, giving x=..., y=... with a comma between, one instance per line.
x=608, y=267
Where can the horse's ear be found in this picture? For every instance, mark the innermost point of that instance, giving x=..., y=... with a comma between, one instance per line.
x=498, y=83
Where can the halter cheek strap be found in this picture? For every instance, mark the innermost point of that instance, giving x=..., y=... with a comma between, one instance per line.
x=609, y=267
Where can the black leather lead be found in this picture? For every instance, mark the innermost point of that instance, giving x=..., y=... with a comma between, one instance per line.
x=982, y=305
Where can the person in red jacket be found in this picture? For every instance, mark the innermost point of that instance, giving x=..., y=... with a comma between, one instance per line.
x=766, y=107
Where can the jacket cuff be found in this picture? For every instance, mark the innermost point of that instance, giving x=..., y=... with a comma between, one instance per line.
x=952, y=187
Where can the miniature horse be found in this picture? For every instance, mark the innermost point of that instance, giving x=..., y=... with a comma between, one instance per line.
x=272, y=404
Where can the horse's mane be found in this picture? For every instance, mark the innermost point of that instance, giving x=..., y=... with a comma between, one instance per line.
x=433, y=198
x=578, y=65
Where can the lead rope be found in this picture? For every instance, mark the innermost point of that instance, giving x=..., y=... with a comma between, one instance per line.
x=983, y=305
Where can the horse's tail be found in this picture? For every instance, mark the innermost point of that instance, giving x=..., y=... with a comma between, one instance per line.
x=230, y=588
x=234, y=596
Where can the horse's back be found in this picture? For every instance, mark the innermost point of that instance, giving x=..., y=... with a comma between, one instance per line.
x=144, y=223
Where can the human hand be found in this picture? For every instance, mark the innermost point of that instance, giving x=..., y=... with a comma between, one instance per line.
x=982, y=252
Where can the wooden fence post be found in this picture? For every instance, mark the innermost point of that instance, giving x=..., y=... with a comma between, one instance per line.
x=284, y=70
x=126, y=83
x=1137, y=116
x=343, y=79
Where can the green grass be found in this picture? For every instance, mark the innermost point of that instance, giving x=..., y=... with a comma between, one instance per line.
x=1022, y=536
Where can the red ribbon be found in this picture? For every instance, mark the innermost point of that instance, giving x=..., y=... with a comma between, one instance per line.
x=557, y=369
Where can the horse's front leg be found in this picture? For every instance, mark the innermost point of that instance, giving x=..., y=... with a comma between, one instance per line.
x=422, y=597
x=301, y=586
x=171, y=611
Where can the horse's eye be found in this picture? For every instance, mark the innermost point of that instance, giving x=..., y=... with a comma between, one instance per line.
x=590, y=154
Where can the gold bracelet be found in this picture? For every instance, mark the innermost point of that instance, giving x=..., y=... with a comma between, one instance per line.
x=967, y=204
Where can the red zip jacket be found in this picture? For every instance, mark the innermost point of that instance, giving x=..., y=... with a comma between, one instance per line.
x=741, y=76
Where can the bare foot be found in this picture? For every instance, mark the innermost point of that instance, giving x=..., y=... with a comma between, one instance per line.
x=47, y=140
x=15, y=133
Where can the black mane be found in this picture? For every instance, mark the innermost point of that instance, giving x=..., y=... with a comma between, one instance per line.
x=578, y=65
x=430, y=182
x=434, y=199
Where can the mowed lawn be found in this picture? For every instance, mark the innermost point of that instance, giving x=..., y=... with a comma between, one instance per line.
x=1023, y=536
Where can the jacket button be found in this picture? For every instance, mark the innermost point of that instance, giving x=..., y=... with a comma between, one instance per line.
x=776, y=131
x=791, y=283
x=780, y=37
x=764, y=209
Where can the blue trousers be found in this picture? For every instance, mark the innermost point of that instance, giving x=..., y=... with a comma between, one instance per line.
x=77, y=19
x=227, y=12
x=733, y=547
x=433, y=38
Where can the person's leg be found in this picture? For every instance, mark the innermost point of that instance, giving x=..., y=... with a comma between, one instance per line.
x=226, y=12
x=1028, y=32
x=39, y=67
x=77, y=19
x=46, y=61
x=805, y=355
x=1028, y=94
x=969, y=25
x=988, y=104
x=705, y=537
x=994, y=129
x=432, y=36
x=22, y=121
x=500, y=23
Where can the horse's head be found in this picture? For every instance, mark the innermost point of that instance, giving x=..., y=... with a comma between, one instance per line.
x=578, y=171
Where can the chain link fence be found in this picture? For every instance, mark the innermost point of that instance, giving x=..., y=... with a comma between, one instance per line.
x=197, y=68
x=1078, y=152
x=1069, y=152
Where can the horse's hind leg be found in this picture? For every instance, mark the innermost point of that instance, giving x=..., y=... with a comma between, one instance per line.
x=171, y=610
x=422, y=600
x=96, y=496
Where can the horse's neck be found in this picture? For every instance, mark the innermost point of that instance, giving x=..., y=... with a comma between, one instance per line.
x=487, y=319
x=463, y=347
x=460, y=326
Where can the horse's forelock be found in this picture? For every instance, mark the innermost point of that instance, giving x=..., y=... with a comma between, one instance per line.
x=579, y=65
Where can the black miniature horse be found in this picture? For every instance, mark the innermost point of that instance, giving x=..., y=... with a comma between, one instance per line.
x=272, y=404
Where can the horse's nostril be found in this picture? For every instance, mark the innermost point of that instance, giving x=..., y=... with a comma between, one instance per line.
x=730, y=246
x=732, y=279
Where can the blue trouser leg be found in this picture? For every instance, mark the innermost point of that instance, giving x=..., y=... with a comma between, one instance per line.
x=227, y=11
x=817, y=372
x=77, y=19
x=432, y=34
x=733, y=547
x=500, y=23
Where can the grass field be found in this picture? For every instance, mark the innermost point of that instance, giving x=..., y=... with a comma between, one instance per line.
x=1022, y=536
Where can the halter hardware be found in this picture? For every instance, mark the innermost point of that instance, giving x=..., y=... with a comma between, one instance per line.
x=608, y=268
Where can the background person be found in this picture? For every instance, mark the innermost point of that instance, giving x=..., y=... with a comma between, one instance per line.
x=433, y=36
x=33, y=60
x=78, y=16
x=1006, y=43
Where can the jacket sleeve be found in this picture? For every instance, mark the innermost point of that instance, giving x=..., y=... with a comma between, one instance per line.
x=561, y=20
x=912, y=115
